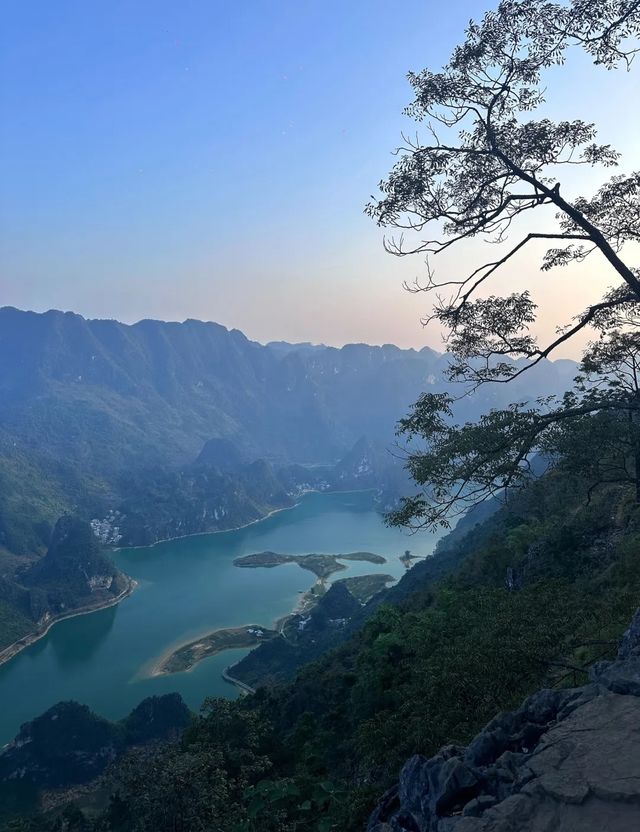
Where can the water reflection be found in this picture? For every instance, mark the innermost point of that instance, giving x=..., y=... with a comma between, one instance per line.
x=73, y=645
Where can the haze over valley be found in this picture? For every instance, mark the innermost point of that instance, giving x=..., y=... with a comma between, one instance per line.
x=159, y=430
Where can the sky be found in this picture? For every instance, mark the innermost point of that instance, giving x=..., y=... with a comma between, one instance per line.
x=211, y=159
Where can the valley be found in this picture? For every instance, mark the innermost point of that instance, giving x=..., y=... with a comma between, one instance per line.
x=159, y=431
x=247, y=483
x=188, y=587
x=357, y=558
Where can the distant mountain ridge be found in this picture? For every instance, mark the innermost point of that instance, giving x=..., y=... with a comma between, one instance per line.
x=95, y=414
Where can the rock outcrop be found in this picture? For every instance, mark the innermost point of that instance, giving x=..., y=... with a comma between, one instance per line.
x=74, y=568
x=565, y=760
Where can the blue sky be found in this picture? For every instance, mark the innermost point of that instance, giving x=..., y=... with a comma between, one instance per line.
x=212, y=159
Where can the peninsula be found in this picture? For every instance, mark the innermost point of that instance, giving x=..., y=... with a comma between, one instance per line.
x=361, y=587
x=187, y=656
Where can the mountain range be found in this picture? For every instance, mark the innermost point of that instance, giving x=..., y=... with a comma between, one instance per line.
x=158, y=430
x=105, y=419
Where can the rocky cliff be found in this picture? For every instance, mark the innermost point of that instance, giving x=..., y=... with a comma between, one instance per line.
x=565, y=760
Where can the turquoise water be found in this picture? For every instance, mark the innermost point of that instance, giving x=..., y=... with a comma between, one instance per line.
x=188, y=587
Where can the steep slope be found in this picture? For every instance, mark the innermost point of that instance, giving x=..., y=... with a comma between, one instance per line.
x=68, y=745
x=75, y=575
x=162, y=503
x=153, y=391
x=566, y=759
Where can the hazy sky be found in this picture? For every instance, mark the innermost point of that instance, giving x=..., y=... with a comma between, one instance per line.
x=212, y=159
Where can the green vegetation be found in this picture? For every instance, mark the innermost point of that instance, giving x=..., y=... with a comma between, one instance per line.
x=14, y=624
x=364, y=587
x=115, y=424
x=161, y=429
x=74, y=576
x=31, y=500
x=188, y=655
x=482, y=162
x=323, y=607
x=100, y=417
x=321, y=565
x=535, y=593
x=543, y=588
x=69, y=745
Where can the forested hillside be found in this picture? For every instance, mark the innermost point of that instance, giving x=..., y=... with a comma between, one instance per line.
x=525, y=598
x=75, y=575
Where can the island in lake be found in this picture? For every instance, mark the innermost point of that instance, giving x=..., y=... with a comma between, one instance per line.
x=408, y=557
x=321, y=565
x=360, y=587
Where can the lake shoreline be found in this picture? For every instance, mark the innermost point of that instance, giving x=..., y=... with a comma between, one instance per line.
x=12, y=650
x=244, y=525
x=186, y=589
x=306, y=602
x=160, y=667
x=244, y=689
x=213, y=531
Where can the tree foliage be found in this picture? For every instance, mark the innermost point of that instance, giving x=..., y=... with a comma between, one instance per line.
x=487, y=163
x=500, y=165
x=593, y=431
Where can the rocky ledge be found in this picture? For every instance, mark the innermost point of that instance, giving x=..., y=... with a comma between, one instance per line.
x=565, y=760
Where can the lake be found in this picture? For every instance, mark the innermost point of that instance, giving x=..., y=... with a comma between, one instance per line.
x=187, y=587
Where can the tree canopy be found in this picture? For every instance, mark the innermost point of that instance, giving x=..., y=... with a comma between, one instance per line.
x=487, y=162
